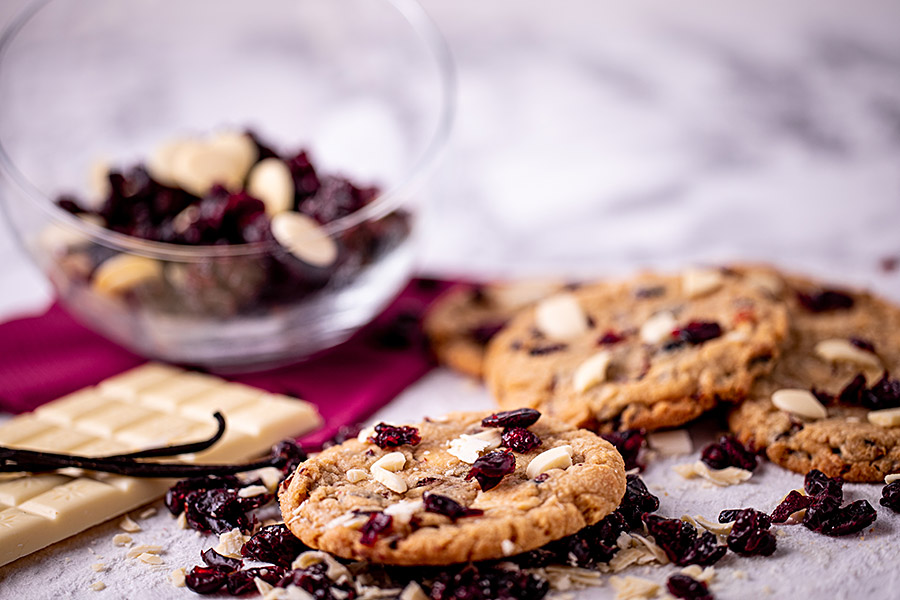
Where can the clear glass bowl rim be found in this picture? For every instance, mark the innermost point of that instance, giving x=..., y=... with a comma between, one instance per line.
x=433, y=41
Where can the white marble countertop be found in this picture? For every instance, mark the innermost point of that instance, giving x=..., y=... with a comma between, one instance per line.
x=595, y=138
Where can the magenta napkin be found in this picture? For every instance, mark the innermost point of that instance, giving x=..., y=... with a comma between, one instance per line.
x=47, y=356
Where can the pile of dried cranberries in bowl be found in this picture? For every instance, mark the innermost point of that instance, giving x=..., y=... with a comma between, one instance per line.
x=227, y=189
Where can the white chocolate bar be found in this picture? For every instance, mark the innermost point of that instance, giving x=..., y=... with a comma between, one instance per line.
x=151, y=405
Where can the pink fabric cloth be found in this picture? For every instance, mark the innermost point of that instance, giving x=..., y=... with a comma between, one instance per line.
x=50, y=355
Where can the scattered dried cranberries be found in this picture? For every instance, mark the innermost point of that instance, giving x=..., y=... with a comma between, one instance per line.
x=490, y=469
x=728, y=452
x=519, y=439
x=449, y=507
x=629, y=444
x=391, y=436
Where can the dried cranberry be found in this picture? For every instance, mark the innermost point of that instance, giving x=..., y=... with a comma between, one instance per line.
x=683, y=586
x=698, y=332
x=650, y=292
x=749, y=535
x=728, y=452
x=334, y=198
x=274, y=544
x=290, y=453
x=817, y=483
x=792, y=503
x=521, y=417
x=391, y=436
x=547, y=349
x=216, y=510
x=636, y=502
x=863, y=344
x=70, y=205
x=890, y=496
x=519, y=439
x=629, y=444
x=377, y=524
x=481, y=582
x=485, y=332
x=315, y=581
x=214, y=559
x=448, y=507
x=176, y=495
x=490, y=469
x=825, y=300
x=206, y=580
x=681, y=543
x=306, y=182
x=884, y=394
x=243, y=582
x=729, y=514
x=854, y=517
x=609, y=338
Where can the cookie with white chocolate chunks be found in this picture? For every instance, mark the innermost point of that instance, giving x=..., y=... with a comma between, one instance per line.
x=651, y=352
x=464, y=319
x=815, y=410
x=450, y=490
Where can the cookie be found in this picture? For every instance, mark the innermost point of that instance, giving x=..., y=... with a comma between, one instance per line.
x=361, y=501
x=464, y=319
x=652, y=352
x=836, y=337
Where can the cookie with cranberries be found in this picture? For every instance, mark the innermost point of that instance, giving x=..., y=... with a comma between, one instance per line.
x=842, y=363
x=650, y=352
x=462, y=321
x=449, y=490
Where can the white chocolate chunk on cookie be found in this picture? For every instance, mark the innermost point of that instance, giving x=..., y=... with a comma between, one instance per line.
x=592, y=371
x=799, y=402
x=555, y=458
x=889, y=417
x=658, y=328
x=700, y=282
x=561, y=317
x=468, y=448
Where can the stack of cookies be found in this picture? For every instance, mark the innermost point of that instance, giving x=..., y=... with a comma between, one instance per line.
x=803, y=368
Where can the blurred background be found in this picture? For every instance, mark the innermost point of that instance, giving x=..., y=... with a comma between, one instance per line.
x=594, y=138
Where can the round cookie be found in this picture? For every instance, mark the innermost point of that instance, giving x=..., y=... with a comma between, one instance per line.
x=652, y=352
x=844, y=443
x=464, y=319
x=326, y=511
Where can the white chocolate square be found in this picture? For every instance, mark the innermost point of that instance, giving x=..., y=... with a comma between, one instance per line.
x=79, y=499
x=276, y=416
x=164, y=430
x=130, y=383
x=225, y=399
x=55, y=439
x=21, y=428
x=17, y=491
x=112, y=417
x=167, y=394
x=68, y=408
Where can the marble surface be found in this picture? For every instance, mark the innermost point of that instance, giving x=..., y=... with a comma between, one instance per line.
x=594, y=138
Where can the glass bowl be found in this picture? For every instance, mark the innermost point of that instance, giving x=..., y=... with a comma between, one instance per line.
x=366, y=86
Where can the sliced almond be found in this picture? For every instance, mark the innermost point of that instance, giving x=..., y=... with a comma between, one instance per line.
x=634, y=588
x=225, y=159
x=659, y=327
x=304, y=238
x=889, y=417
x=123, y=272
x=128, y=524
x=671, y=443
x=717, y=528
x=768, y=282
x=392, y=461
x=356, y=475
x=838, y=350
x=799, y=402
x=253, y=490
x=555, y=458
x=390, y=480
x=99, y=182
x=144, y=549
x=508, y=547
x=413, y=591
x=591, y=372
x=700, y=282
x=159, y=163
x=561, y=317
x=351, y=520
x=177, y=577
x=150, y=559
x=892, y=478
x=230, y=543
x=270, y=180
